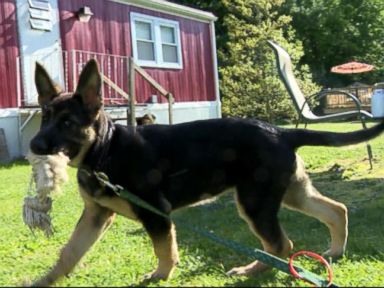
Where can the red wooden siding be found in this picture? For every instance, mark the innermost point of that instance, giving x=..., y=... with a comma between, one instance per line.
x=109, y=32
x=8, y=52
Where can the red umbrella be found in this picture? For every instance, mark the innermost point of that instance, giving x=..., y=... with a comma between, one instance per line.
x=352, y=67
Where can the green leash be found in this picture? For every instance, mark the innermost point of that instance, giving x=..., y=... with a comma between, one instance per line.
x=258, y=254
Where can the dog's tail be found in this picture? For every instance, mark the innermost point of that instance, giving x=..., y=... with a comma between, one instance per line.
x=303, y=137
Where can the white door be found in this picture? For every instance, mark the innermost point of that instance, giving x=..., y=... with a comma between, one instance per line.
x=39, y=38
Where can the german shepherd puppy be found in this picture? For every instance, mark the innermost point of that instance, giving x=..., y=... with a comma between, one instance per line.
x=175, y=166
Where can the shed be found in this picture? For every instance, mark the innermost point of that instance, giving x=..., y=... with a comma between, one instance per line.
x=173, y=45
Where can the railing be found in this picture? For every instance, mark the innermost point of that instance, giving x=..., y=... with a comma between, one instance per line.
x=340, y=101
x=118, y=75
x=115, y=70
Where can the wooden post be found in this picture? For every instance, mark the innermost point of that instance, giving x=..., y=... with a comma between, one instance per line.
x=170, y=110
x=4, y=153
x=74, y=76
x=101, y=65
x=132, y=119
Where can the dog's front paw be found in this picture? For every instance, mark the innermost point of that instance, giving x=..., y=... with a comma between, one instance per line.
x=164, y=271
x=251, y=269
x=156, y=276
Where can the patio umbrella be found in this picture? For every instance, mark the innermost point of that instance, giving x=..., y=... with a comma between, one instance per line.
x=352, y=67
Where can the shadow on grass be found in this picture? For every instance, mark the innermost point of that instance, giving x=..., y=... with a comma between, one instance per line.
x=222, y=219
x=16, y=163
x=364, y=199
x=261, y=280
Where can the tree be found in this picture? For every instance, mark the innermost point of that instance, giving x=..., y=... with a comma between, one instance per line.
x=249, y=83
x=337, y=31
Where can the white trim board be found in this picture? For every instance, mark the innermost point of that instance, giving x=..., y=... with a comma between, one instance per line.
x=9, y=112
x=171, y=8
x=215, y=67
x=184, y=105
x=182, y=111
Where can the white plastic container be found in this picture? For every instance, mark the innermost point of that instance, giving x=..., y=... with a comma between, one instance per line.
x=377, y=100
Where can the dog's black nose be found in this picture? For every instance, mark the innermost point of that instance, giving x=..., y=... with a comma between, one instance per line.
x=39, y=146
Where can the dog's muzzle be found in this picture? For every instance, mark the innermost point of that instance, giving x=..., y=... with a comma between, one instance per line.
x=39, y=146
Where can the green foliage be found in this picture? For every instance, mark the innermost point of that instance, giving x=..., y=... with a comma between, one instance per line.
x=125, y=253
x=337, y=31
x=331, y=32
x=249, y=84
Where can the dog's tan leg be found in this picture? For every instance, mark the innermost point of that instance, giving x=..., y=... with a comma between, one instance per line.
x=302, y=196
x=93, y=223
x=165, y=247
x=272, y=236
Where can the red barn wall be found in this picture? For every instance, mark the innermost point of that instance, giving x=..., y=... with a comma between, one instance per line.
x=8, y=52
x=109, y=32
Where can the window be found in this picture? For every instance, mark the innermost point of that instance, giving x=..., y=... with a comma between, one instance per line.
x=145, y=41
x=156, y=41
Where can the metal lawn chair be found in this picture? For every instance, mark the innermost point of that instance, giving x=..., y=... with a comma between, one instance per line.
x=284, y=67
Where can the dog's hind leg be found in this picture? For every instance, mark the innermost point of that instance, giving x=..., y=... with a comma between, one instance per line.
x=163, y=235
x=261, y=215
x=303, y=197
x=93, y=223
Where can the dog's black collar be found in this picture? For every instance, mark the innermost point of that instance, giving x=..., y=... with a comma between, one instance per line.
x=97, y=157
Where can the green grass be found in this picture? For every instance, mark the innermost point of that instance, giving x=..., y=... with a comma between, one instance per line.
x=125, y=254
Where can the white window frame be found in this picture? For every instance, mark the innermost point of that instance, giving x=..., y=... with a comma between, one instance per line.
x=156, y=23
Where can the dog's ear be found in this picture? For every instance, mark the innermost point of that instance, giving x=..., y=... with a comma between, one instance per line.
x=89, y=87
x=46, y=87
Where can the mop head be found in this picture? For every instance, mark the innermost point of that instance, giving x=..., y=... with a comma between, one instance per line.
x=48, y=173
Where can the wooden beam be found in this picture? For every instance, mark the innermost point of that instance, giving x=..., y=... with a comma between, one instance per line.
x=115, y=87
x=150, y=80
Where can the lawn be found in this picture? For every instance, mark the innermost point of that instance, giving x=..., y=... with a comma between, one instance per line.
x=125, y=253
